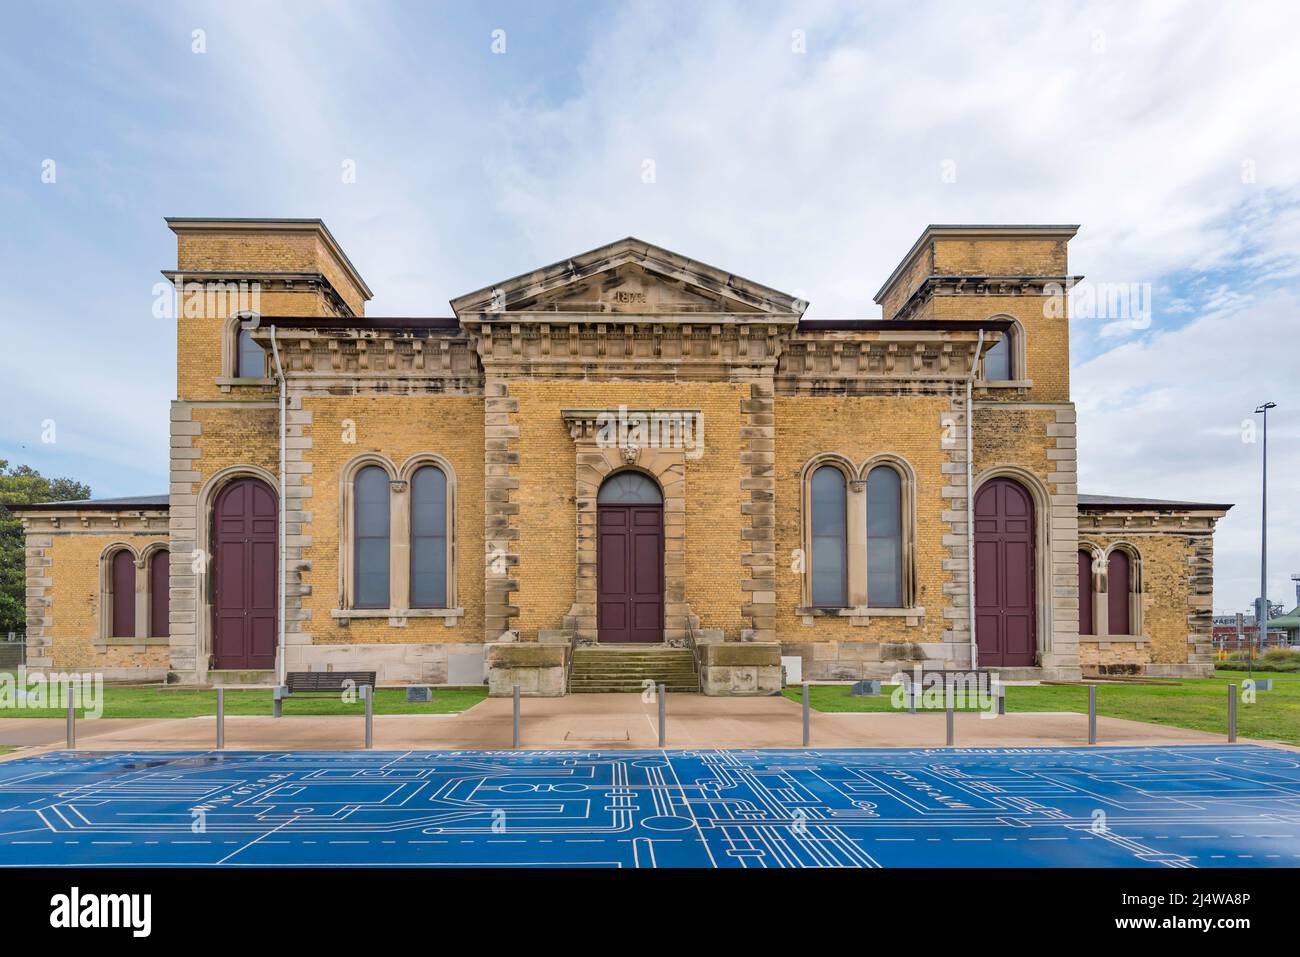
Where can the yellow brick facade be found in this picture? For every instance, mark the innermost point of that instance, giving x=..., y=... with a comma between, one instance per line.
x=505, y=394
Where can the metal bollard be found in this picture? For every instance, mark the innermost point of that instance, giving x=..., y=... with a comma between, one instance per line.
x=277, y=702
x=515, y=739
x=1092, y=714
x=911, y=696
x=663, y=700
x=221, y=718
x=368, y=693
x=1232, y=714
x=72, y=721
x=949, y=693
x=807, y=717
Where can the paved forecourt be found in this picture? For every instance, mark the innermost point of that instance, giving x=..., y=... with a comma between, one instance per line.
x=1184, y=806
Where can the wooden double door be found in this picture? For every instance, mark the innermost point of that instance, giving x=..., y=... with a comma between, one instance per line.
x=245, y=527
x=630, y=573
x=1005, y=571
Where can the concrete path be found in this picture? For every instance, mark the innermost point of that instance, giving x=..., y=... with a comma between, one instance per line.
x=599, y=721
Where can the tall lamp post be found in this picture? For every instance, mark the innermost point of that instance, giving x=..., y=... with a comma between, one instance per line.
x=1261, y=604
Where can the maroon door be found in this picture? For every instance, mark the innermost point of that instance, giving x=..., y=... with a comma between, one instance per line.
x=244, y=522
x=1004, y=574
x=629, y=573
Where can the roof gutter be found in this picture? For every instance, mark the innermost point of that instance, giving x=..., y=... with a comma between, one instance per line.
x=280, y=663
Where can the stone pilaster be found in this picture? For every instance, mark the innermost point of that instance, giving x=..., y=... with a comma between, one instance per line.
x=758, y=466
x=40, y=612
x=189, y=568
x=956, y=562
x=500, y=529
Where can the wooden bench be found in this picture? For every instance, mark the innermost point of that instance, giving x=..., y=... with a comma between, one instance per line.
x=325, y=684
x=319, y=684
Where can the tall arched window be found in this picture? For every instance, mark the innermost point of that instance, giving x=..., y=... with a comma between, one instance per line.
x=1118, y=584
x=428, y=538
x=997, y=360
x=372, y=537
x=250, y=359
x=122, y=580
x=159, y=594
x=829, y=539
x=1085, y=592
x=884, y=538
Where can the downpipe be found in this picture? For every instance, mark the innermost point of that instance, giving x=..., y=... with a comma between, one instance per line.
x=970, y=504
x=280, y=667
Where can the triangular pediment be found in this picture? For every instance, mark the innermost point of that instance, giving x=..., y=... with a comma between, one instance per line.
x=629, y=277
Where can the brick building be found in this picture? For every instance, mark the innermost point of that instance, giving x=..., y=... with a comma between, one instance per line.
x=625, y=453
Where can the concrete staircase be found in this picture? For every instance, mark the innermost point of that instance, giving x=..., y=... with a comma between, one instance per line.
x=610, y=668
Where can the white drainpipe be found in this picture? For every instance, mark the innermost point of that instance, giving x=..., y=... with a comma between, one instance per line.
x=970, y=503
x=279, y=374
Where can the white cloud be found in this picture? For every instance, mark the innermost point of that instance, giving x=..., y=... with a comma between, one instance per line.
x=1166, y=417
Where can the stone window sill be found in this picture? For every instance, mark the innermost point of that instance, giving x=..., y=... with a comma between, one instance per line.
x=398, y=617
x=225, y=382
x=862, y=615
x=1004, y=383
x=1131, y=639
x=104, y=643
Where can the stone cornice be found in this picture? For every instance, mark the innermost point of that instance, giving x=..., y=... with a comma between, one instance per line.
x=379, y=359
x=97, y=522
x=820, y=361
x=691, y=347
x=1019, y=285
x=1138, y=522
x=266, y=281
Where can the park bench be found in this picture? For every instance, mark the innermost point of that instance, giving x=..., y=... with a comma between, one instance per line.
x=321, y=684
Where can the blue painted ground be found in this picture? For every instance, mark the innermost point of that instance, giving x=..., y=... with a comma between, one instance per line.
x=1197, y=806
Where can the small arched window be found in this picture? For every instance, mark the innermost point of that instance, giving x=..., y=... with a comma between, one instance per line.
x=884, y=538
x=428, y=538
x=159, y=594
x=1119, y=580
x=250, y=359
x=829, y=539
x=372, y=537
x=122, y=594
x=1085, y=592
x=629, y=488
x=997, y=360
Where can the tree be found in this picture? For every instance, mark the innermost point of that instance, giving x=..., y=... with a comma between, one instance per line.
x=23, y=485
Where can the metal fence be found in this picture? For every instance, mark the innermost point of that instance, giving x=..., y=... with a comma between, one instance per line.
x=13, y=650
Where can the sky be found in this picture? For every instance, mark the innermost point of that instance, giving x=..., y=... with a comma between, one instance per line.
x=803, y=145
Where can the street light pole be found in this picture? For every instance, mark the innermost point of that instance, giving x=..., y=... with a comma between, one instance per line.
x=1261, y=606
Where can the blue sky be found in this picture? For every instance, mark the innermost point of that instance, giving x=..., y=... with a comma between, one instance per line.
x=802, y=145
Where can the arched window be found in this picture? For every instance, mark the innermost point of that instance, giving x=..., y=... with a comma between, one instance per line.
x=884, y=538
x=829, y=558
x=250, y=359
x=122, y=594
x=1085, y=592
x=428, y=538
x=159, y=594
x=372, y=537
x=629, y=488
x=997, y=360
x=1118, y=585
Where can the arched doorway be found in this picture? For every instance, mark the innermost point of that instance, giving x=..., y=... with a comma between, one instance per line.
x=629, y=560
x=1004, y=574
x=245, y=523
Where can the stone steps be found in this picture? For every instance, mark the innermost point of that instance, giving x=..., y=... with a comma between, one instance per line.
x=620, y=670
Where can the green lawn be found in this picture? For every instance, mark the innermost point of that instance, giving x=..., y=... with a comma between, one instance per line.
x=1196, y=703
x=158, y=702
